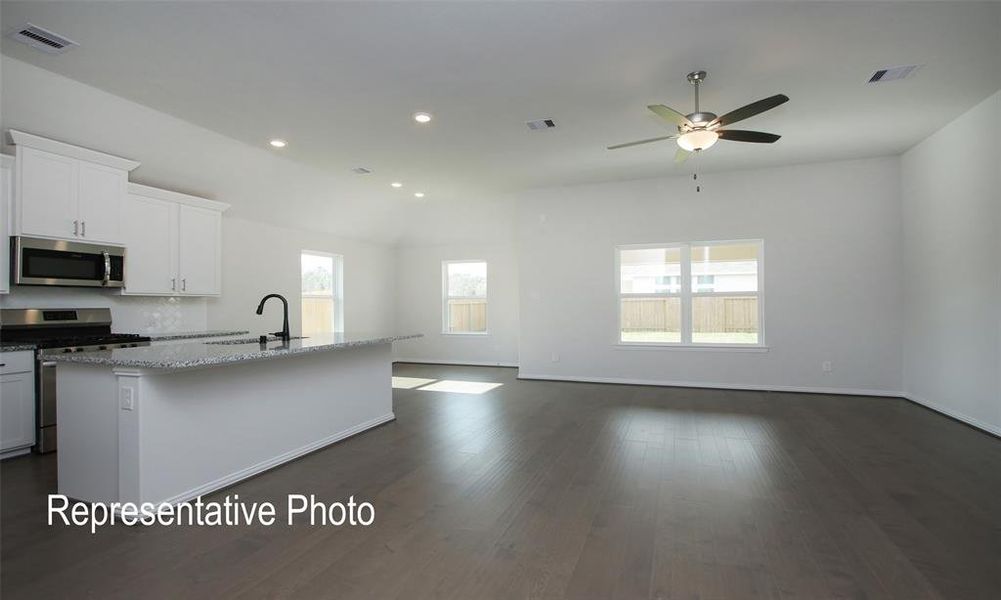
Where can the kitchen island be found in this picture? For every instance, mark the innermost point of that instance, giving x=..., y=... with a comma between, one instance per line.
x=172, y=421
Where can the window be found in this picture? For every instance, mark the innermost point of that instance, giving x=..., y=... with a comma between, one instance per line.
x=650, y=295
x=703, y=293
x=322, y=293
x=464, y=297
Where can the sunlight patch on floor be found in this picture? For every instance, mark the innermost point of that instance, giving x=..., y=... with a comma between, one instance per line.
x=461, y=387
x=409, y=383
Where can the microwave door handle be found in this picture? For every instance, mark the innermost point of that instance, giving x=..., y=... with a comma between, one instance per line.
x=107, y=269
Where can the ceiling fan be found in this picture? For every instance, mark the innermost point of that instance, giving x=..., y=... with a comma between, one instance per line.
x=700, y=130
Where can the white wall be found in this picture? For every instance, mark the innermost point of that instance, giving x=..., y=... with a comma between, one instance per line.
x=259, y=184
x=951, y=195
x=831, y=281
x=419, y=305
x=259, y=259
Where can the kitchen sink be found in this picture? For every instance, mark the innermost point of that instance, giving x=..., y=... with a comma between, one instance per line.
x=271, y=338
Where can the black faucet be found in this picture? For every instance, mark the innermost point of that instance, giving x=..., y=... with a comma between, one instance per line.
x=283, y=334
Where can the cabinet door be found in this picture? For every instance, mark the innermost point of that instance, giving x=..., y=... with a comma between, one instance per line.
x=199, y=245
x=17, y=410
x=48, y=194
x=149, y=228
x=101, y=191
x=6, y=197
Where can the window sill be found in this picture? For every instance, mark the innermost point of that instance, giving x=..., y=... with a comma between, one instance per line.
x=466, y=334
x=697, y=347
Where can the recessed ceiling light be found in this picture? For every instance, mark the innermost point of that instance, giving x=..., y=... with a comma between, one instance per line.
x=396, y=184
x=277, y=143
x=418, y=194
x=422, y=117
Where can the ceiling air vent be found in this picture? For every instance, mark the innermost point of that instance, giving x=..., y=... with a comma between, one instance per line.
x=541, y=124
x=361, y=170
x=41, y=39
x=893, y=73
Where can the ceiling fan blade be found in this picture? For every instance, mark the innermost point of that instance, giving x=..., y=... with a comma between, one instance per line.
x=681, y=155
x=670, y=115
x=757, y=137
x=754, y=108
x=656, y=139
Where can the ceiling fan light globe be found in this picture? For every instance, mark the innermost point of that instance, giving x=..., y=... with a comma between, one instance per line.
x=698, y=140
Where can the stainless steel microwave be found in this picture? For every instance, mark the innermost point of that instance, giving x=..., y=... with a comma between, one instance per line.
x=39, y=261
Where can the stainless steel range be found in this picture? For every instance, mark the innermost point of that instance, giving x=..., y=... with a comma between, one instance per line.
x=59, y=330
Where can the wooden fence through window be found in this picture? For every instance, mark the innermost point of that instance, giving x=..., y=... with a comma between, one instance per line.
x=465, y=315
x=710, y=314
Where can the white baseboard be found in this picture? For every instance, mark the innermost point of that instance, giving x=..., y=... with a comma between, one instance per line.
x=278, y=460
x=437, y=361
x=714, y=385
x=987, y=427
x=12, y=453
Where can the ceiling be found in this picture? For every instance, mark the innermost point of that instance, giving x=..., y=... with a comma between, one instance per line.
x=341, y=80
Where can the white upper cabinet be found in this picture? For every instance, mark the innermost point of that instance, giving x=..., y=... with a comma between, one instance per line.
x=6, y=197
x=173, y=243
x=200, y=247
x=150, y=235
x=48, y=204
x=68, y=192
x=101, y=192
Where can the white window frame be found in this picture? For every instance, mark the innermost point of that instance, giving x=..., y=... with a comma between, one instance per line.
x=445, y=298
x=337, y=289
x=686, y=294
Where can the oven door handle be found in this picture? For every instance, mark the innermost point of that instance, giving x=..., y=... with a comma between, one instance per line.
x=107, y=269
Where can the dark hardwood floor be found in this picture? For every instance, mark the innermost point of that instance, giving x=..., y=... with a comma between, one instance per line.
x=565, y=490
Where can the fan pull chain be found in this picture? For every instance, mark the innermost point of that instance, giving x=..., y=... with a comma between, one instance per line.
x=695, y=165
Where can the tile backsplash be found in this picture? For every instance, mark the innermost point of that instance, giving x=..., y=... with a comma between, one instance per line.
x=130, y=314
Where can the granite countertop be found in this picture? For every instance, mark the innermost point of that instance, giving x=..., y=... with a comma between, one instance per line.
x=155, y=337
x=190, y=335
x=195, y=354
x=16, y=346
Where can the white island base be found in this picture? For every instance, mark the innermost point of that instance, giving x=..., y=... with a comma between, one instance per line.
x=147, y=435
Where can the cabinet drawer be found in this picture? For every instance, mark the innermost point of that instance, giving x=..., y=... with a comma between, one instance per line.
x=21, y=361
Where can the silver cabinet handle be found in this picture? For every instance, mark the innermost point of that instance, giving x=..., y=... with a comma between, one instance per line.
x=184, y=285
x=76, y=227
x=83, y=228
x=173, y=284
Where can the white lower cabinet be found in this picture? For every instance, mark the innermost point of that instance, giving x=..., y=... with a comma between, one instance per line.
x=173, y=243
x=17, y=402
